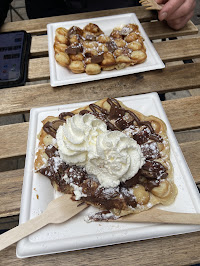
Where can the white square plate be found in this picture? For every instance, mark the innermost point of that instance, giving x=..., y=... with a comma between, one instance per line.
x=77, y=233
x=62, y=76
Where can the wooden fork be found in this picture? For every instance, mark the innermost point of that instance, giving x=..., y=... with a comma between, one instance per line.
x=58, y=211
x=150, y=4
x=160, y=216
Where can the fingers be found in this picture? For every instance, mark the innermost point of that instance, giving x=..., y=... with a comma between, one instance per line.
x=177, y=8
x=176, y=12
x=180, y=22
x=161, y=1
x=170, y=7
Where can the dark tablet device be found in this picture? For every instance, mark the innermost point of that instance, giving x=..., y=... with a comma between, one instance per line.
x=14, y=56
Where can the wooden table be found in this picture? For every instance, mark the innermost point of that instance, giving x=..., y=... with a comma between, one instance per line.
x=183, y=114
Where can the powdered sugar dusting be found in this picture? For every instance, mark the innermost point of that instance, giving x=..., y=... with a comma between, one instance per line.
x=57, y=162
x=78, y=191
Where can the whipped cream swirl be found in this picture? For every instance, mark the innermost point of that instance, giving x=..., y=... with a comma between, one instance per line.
x=111, y=156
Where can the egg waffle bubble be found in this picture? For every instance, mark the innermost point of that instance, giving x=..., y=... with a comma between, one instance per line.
x=90, y=50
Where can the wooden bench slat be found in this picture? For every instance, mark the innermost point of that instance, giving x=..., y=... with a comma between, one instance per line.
x=39, y=26
x=169, y=51
x=181, y=49
x=173, y=78
x=183, y=120
x=180, y=116
x=10, y=192
x=13, y=142
x=154, y=30
x=39, y=46
x=35, y=73
x=162, y=251
x=11, y=181
x=192, y=155
x=160, y=30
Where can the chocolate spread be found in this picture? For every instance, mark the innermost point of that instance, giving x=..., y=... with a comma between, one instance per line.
x=97, y=59
x=111, y=45
x=90, y=37
x=52, y=127
x=150, y=175
x=74, y=49
x=74, y=30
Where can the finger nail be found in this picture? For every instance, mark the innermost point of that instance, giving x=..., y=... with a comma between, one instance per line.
x=163, y=16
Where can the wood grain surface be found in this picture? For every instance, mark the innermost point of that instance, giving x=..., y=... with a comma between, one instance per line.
x=11, y=147
x=160, y=30
x=11, y=181
x=10, y=192
x=169, y=50
x=183, y=115
x=180, y=49
x=173, y=78
x=162, y=251
x=39, y=26
x=42, y=73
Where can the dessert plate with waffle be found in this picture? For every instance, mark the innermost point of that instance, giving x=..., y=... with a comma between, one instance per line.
x=99, y=48
x=120, y=156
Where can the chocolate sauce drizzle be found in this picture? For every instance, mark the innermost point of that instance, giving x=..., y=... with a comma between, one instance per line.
x=52, y=127
x=65, y=114
x=149, y=175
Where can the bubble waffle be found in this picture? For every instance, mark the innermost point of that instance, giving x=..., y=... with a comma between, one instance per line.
x=151, y=185
x=90, y=50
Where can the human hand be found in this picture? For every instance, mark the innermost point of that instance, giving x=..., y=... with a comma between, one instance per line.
x=176, y=12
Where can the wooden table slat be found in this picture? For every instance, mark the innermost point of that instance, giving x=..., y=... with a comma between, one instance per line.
x=168, y=51
x=39, y=26
x=154, y=30
x=181, y=49
x=173, y=78
x=11, y=181
x=160, y=30
x=192, y=155
x=13, y=142
x=10, y=192
x=173, y=250
x=39, y=46
x=180, y=121
x=178, y=117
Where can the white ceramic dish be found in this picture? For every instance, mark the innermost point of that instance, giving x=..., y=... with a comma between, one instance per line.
x=62, y=76
x=77, y=233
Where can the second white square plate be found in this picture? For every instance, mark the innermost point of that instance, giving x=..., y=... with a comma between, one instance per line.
x=62, y=76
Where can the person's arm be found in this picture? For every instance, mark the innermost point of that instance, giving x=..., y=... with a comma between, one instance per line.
x=176, y=12
x=4, y=7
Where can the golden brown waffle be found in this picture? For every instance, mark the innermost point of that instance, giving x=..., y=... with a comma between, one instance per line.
x=153, y=184
x=90, y=50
